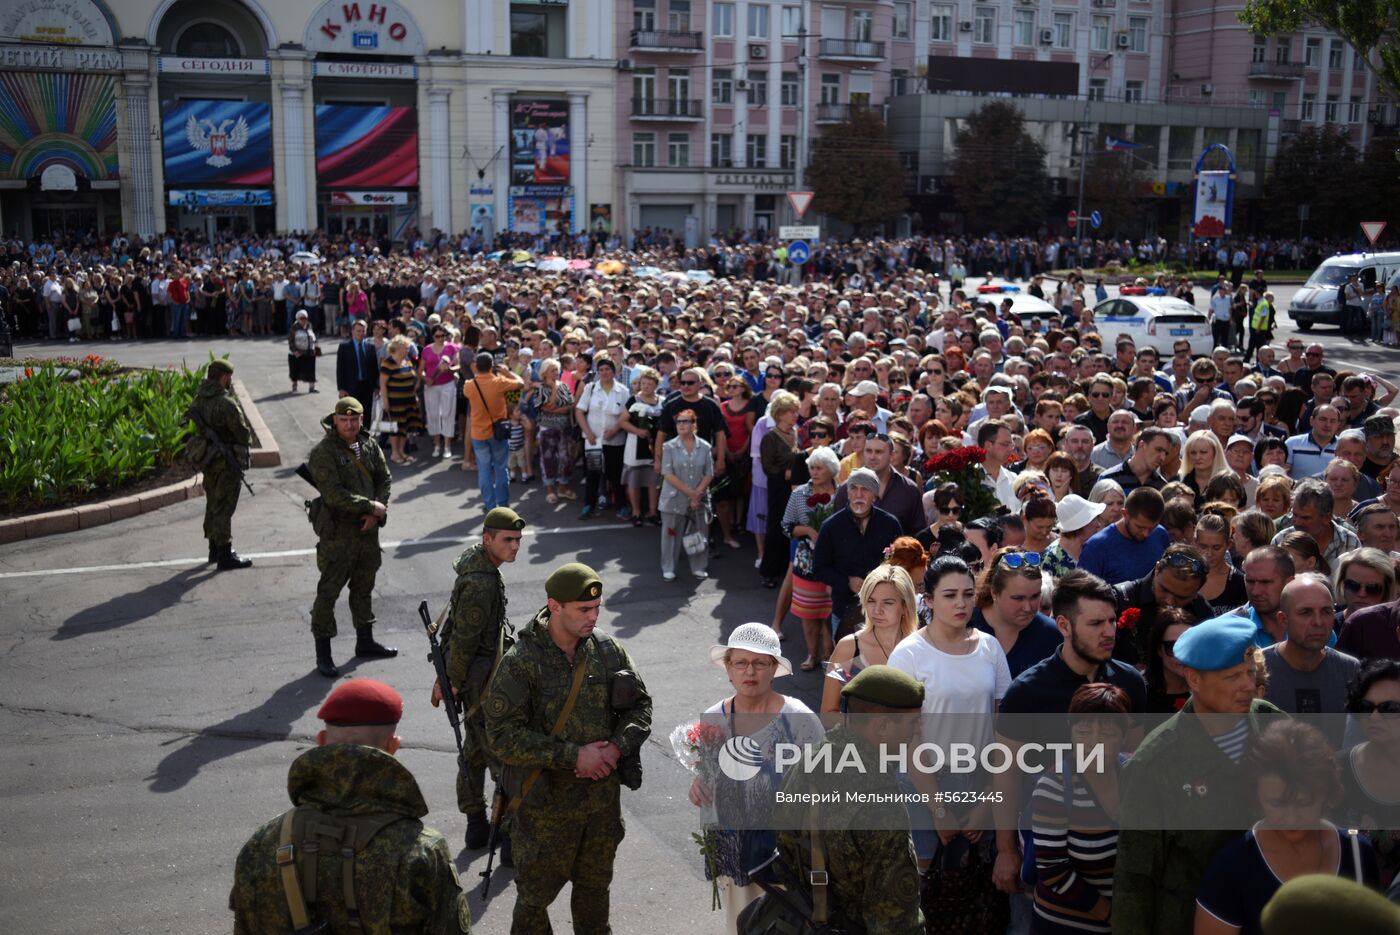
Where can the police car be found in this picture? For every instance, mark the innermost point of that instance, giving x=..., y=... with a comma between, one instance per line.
x=1035, y=315
x=1155, y=321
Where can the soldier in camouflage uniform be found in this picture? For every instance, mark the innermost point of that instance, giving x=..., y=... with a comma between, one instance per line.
x=353, y=479
x=874, y=882
x=476, y=628
x=219, y=408
x=402, y=877
x=565, y=786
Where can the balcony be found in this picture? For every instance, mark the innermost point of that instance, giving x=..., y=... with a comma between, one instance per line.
x=851, y=50
x=673, y=109
x=837, y=113
x=1276, y=71
x=666, y=40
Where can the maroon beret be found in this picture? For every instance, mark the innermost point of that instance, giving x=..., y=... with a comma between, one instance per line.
x=361, y=702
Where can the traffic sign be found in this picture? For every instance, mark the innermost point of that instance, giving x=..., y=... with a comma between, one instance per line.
x=799, y=232
x=1372, y=230
x=1072, y=218
x=800, y=201
x=799, y=252
x=1095, y=220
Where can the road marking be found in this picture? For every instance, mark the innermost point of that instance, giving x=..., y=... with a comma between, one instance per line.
x=297, y=553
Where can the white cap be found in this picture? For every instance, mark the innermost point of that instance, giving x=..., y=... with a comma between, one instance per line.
x=866, y=388
x=1236, y=439
x=754, y=638
x=1074, y=512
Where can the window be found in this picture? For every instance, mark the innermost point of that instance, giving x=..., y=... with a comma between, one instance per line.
x=1133, y=91
x=940, y=20
x=756, y=151
x=537, y=31
x=1181, y=147
x=831, y=89
x=1307, y=108
x=1023, y=27
x=1247, y=148
x=758, y=22
x=1354, y=109
x=678, y=85
x=722, y=86
x=208, y=40
x=1213, y=135
x=644, y=87
x=1099, y=32
x=903, y=16
x=644, y=14
x=862, y=25
x=721, y=150
x=1312, y=52
x=644, y=150
x=1137, y=34
x=1064, y=30
x=1334, y=54
x=787, y=151
x=722, y=15
x=678, y=150
x=1098, y=87
x=1256, y=97
x=1283, y=51
x=1358, y=61
x=1149, y=140
x=1261, y=49
x=788, y=89
x=792, y=21
x=1330, y=113
x=758, y=91
x=678, y=19
x=984, y=25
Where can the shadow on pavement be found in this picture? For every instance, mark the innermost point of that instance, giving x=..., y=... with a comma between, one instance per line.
x=122, y=609
x=269, y=722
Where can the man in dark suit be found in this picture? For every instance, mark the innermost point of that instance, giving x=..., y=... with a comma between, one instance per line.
x=357, y=367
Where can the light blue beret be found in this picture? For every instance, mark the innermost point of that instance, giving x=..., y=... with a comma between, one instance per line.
x=1215, y=644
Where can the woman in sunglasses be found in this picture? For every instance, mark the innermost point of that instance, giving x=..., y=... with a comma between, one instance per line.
x=1365, y=578
x=1008, y=607
x=1371, y=769
x=1167, y=690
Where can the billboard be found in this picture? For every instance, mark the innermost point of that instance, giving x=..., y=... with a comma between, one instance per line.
x=217, y=142
x=1001, y=76
x=539, y=142
x=1214, y=197
x=366, y=147
x=49, y=118
x=541, y=209
x=219, y=197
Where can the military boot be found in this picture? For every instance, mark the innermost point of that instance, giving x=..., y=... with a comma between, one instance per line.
x=214, y=551
x=365, y=645
x=478, y=831
x=324, y=663
x=230, y=560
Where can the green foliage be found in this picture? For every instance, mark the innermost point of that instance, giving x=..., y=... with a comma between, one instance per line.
x=1319, y=167
x=855, y=173
x=998, y=169
x=1111, y=187
x=63, y=440
x=1372, y=27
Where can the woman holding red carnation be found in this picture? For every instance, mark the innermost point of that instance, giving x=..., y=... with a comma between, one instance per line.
x=809, y=505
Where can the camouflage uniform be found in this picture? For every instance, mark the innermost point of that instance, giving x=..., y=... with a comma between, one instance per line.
x=567, y=829
x=874, y=876
x=349, y=488
x=471, y=634
x=405, y=880
x=220, y=410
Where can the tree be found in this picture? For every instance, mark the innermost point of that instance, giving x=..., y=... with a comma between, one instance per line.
x=1317, y=168
x=1113, y=187
x=1372, y=27
x=855, y=173
x=998, y=172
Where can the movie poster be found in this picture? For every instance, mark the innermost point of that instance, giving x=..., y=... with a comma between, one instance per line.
x=539, y=144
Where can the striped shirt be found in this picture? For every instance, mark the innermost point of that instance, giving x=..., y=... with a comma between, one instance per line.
x=1231, y=743
x=1076, y=846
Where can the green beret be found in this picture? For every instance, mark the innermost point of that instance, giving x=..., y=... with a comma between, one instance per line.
x=1215, y=644
x=220, y=365
x=1318, y=902
x=503, y=517
x=349, y=406
x=573, y=582
x=887, y=686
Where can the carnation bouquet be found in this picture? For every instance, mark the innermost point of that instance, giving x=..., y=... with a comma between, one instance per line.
x=963, y=466
x=697, y=749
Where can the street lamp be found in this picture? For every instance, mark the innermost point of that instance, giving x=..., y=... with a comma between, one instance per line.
x=1083, y=161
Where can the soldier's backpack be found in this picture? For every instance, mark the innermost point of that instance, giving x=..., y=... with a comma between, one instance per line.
x=310, y=836
x=789, y=904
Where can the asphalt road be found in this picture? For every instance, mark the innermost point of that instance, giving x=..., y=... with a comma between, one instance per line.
x=150, y=707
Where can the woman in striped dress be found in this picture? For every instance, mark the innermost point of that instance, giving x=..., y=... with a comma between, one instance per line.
x=398, y=388
x=1076, y=832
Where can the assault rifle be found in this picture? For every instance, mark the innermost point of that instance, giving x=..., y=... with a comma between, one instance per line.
x=220, y=449
x=439, y=661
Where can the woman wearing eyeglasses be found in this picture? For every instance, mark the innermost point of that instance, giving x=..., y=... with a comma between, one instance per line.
x=1167, y=690
x=1371, y=769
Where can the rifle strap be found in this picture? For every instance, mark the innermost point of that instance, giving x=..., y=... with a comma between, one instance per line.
x=287, y=867
x=819, y=876
x=580, y=673
x=491, y=677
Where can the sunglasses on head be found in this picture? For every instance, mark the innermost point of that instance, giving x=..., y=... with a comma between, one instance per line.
x=1365, y=706
x=1020, y=560
x=1369, y=588
x=1195, y=566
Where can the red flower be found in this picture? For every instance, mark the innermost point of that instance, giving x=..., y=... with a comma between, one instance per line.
x=702, y=734
x=28, y=372
x=1128, y=620
x=818, y=499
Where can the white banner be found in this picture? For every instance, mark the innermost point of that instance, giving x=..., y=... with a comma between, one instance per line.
x=369, y=198
x=387, y=70
x=178, y=65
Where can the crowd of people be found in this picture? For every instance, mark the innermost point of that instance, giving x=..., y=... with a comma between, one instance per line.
x=1142, y=533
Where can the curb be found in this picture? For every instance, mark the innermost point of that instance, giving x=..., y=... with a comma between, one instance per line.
x=269, y=455
x=99, y=514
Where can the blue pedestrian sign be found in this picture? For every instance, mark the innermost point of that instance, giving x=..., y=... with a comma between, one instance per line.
x=1096, y=219
x=798, y=252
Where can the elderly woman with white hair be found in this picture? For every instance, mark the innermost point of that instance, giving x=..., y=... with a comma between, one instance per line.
x=302, y=351
x=811, y=597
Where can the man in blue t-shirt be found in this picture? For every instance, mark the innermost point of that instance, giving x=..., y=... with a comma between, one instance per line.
x=1129, y=548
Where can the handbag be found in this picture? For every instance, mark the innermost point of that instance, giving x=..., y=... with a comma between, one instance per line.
x=959, y=894
x=500, y=428
x=697, y=541
x=75, y=325
x=378, y=425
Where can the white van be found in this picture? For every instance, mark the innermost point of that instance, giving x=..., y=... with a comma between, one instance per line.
x=1319, y=301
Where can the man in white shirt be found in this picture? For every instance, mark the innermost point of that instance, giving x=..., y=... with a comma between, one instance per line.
x=1221, y=300
x=994, y=437
x=1310, y=452
x=600, y=405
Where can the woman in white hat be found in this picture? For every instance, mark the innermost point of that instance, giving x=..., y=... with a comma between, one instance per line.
x=1078, y=520
x=752, y=658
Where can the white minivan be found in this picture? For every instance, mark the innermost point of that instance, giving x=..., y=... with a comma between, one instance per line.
x=1319, y=300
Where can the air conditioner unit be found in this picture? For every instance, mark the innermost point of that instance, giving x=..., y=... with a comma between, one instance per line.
x=1047, y=37
x=1207, y=89
x=965, y=26
x=758, y=51
x=1122, y=41
x=624, y=64
x=741, y=85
